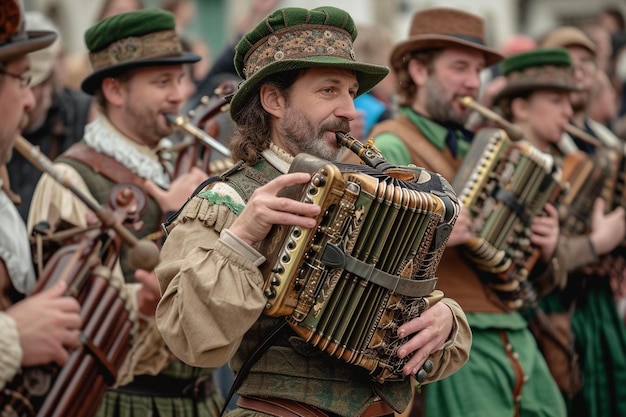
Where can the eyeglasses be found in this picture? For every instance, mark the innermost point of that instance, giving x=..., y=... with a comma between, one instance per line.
x=24, y=79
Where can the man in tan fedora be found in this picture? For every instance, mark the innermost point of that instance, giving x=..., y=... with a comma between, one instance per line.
x=439, y=63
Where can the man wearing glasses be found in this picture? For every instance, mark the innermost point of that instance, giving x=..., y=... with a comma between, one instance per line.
x=43, y=328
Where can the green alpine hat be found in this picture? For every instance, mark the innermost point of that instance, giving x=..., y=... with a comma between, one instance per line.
x=142, y=38
x=539, y=69
x=296, y=38
x=15, y=40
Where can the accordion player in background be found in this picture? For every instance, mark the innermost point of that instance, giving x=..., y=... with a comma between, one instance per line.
x=437, y=66
x=300, y=79
x=589, y=297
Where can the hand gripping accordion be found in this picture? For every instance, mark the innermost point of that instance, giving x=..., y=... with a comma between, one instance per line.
x=369, y=265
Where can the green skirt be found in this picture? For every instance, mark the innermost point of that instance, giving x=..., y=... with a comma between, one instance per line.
x=120, y=404
x=600, y=336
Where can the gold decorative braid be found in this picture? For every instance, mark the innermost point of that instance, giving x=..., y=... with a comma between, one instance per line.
x=136, y=48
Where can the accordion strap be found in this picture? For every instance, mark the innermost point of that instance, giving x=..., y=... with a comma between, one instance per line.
x=333, y=256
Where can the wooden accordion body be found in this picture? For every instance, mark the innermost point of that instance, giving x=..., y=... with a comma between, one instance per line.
x=504, y=184
x=368, y=266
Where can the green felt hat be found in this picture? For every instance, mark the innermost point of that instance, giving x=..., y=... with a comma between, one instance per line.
x=296, y=38
x=145, y=37
x=15, y=40
x=539, y=69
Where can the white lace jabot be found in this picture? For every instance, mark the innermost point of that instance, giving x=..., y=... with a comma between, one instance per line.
x=104, y=138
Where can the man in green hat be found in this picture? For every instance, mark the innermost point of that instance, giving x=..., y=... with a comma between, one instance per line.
x=300, y=78
x=138, y=72
x=43, y=328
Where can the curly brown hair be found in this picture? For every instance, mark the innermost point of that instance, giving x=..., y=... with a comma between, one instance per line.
x=406, y=87
x=253, y=123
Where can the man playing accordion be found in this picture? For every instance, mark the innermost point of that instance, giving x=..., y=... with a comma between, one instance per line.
x=300, y=79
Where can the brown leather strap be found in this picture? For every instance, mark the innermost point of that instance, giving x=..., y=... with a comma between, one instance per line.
x=103, y=164
x=517, y=369
x=279, y=407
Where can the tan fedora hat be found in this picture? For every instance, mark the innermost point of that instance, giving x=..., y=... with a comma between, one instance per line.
x=441, y=27
x=566, y=36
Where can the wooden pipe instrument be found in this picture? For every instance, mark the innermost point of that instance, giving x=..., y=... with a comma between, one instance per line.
x=514, y=131
x=143, y=254
x=85, y=262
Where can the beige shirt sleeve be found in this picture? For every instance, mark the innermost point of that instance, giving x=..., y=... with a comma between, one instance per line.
x=52, y=199
x=211, y=294
x=10, y=349
x=455, y=352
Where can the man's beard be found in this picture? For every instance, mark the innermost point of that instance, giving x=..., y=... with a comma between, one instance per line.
x=301, y=135
x=437, y=106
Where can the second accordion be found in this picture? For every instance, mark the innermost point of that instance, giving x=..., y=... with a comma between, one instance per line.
x=505, y=184
x=346, y=285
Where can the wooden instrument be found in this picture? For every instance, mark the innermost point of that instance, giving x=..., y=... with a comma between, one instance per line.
x=368, y=266
x=86, y=265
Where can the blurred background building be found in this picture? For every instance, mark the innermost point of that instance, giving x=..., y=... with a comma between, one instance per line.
x=214, y=20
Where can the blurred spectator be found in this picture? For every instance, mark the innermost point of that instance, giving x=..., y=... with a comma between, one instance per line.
x=58, y=118
x=77, y=64
x=601, y=36
x=373, y=45
x=223, y=68
x=183, y=11
x=603, y=100
x=612, y=19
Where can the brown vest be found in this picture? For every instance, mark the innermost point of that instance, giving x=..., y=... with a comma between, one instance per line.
x=457, y=278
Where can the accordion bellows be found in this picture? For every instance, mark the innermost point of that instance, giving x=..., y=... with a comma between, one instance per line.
x=505, y=184
x=368, y=266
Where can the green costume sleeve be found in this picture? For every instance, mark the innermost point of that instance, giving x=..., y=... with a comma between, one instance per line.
x=393, y=149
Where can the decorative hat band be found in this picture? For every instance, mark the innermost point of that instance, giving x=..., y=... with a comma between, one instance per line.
x=135, y=48
x=305, y=42
x=558, y=75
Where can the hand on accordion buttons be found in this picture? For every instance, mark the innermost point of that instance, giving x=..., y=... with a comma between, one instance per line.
x=265, y=209
x=430, y=331
x=48, y=324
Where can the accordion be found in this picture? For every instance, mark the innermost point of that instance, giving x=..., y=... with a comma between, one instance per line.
x=346, y=285
x=504, y=184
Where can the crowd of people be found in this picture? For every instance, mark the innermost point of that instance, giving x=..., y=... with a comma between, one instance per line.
x=546, y=337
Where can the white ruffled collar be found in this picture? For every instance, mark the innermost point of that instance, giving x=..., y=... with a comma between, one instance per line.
x=278, y=158
x=103, y=137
